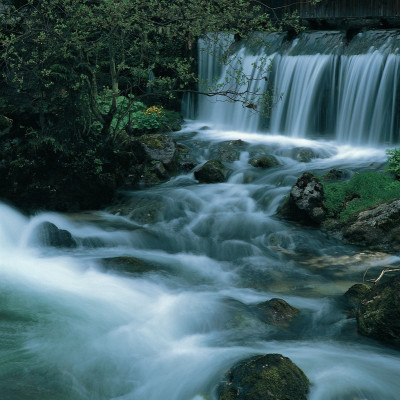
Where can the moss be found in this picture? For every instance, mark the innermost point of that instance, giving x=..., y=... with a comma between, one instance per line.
x=154, y=141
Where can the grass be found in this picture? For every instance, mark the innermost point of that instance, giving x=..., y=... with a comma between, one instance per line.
x=362, y=191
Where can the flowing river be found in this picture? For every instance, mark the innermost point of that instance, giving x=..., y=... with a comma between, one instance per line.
x=72, y=328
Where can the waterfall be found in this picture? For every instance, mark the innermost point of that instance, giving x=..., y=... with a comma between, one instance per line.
x=319, y=85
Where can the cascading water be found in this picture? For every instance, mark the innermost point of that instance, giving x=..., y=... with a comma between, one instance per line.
x=154, y=301
x=326, y=88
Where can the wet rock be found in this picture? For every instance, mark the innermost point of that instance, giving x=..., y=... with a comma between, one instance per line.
x=266, y=377
x=212, y=171
x=377, y=228
x=5, y=125
x=228, y=151
x=353, y=297
x=266, y=161
x=128, y=264
x=304, y=154
x=160, y=147
x=306, y=201
x=378, y=314
x=185, y=161
x=49, y=235
x=276, y=312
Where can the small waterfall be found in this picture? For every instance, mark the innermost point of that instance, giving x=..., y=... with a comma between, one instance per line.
x=319, y=86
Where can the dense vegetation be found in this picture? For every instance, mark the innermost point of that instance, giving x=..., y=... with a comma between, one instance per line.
x=80, y=77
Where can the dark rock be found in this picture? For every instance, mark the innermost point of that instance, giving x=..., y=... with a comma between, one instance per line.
x=5, y=125
x=128, y=264
x=306, y=201
x=276, y=312
x=185, y=161
x=160, y=147
x=378, y=228
x=263, y=161
x=333, y=175
x=378, y=314
x=264, y=377
x=212, y=171
x=228, y=151
x=353, y=297
x=49, y=235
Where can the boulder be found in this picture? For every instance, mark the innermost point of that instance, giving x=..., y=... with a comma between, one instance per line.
x=276, y=312
x=49, y=235
x=306, y=201
x=304, y=154
x=160, y=147
x=264, y=377
x=185, y=160
x=228, y=151
x=378, y=314
x=353, y=297
x=263, y=161
x=377, y=228
x=212, y=171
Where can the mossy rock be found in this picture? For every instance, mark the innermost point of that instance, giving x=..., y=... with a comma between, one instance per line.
x=276, y=312
x=264, y=377
x=228, y=151
x=212, y=171
x=378, y=314
x=264, y=162
x=353, y=297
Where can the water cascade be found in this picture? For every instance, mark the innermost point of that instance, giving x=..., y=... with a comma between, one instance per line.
x=321, y=86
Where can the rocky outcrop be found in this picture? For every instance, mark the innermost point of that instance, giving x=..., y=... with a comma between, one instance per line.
x=378, y=314
x=276, y=312
x=377, y=228
x=48, y=234
x=266, y=377
x=306, y=201
x=264, y=162
x=353, y=297
x=212, y=171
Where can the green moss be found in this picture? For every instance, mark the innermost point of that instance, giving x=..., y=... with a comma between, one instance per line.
x=362, y=191
x=152, y=141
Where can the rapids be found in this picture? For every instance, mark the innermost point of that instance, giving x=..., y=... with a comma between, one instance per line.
x=72, y=329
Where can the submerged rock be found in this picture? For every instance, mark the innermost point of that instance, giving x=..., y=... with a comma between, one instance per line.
x=353, y=297
x=304, y=154
x=212, y=171
x=377, y=228
x=264, y=377
x=276, y=312
x=228, y=151
x=378, y=314
x=128, y=264
x=306, y=201
x=49, y=235
x=265, y=161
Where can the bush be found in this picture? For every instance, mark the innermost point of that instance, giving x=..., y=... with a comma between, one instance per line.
x=362, y=191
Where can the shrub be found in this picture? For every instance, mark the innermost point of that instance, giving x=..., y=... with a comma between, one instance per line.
x=393, y=162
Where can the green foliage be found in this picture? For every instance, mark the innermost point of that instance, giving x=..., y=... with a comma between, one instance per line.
x=362, y=191
x=393, y=162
